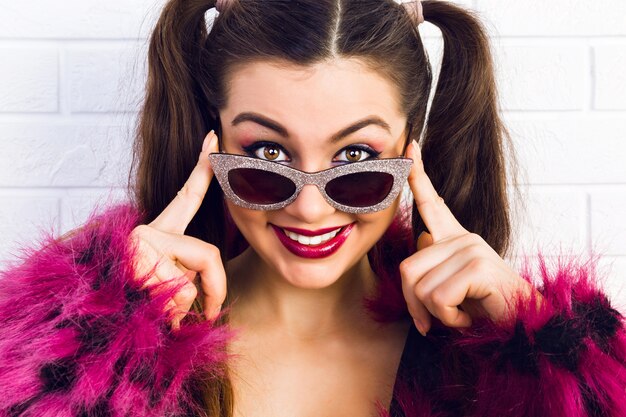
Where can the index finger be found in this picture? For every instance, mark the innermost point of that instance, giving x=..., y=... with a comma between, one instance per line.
x=436, y=214
x=178, y=214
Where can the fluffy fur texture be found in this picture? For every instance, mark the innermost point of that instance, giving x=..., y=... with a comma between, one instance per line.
x=79, y=337
x=566, y=359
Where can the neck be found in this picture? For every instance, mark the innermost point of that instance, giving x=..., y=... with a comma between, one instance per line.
x=265, y=301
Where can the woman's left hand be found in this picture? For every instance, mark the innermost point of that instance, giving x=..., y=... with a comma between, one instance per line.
x=453, y=268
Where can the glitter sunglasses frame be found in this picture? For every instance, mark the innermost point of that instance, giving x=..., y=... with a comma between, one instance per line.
x=398, y=168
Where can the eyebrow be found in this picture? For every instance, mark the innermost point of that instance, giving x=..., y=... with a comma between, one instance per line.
x=281, y=130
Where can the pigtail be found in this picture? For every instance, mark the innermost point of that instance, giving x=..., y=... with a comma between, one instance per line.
x=464, y=138
x=176, y=115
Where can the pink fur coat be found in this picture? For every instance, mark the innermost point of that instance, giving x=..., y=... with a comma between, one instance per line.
x=79, y=338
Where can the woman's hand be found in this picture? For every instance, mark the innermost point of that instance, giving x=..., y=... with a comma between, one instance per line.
x=452, y=268
x=178, y=256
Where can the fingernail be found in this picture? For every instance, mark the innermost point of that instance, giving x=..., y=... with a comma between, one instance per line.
x=420, y=327
x=208, y=139
x=205, y=143
x=416, y=149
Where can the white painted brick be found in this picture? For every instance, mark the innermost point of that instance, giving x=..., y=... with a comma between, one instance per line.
x=571, y=150
x=551, y=222
x=608, y=223
x=467, y=4
x=29, y=80
x=76, y=209
x=533, y=77
x=613, y=269
x=70, y=19
x=22, y=220
x=106, y=80
x=610, y=76
x=63, y=156
x=555, y=17
x=541, y=77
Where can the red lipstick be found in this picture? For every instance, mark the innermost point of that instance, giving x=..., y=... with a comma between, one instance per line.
x=317, y=251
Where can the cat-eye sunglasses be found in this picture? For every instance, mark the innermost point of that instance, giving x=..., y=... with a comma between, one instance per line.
x=357, y=187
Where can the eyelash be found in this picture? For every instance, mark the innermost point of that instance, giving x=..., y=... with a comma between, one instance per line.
x=373, y=154
x=251, y=149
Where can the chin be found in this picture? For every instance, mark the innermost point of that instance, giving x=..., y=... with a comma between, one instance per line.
x=315, y=273
x=309, y=276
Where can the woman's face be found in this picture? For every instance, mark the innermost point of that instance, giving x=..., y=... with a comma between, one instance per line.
x=294, y=115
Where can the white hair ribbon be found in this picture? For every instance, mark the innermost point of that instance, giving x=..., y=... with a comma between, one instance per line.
x=414, y=9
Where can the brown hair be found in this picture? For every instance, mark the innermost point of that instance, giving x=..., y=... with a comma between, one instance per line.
x=463, y=142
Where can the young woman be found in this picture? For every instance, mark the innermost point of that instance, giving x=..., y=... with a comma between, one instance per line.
x=322, y=291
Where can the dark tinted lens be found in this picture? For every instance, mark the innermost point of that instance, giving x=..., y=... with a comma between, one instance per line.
x=260, y=187
x=361, y=189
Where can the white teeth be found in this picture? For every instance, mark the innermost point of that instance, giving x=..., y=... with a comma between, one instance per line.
x=312, y=240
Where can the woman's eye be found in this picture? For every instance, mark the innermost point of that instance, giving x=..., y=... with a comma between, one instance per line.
x=269, y=152
x=355, y=154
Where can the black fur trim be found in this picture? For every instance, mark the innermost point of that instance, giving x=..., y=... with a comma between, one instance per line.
x=157, y=390
x=418, y=353
x=417, y=372
x=104, y=276
x=101, y=409
x=561, y=341
x=85, y=257
x=593, y=406
x=95, y=335
x=120, y=364
x=143, y=374
x=16, y=410
x=519, y=352
x=601, y=319
x=153, y=398
x=167, y=381
x=65, y=323
x=58, y=376
x=53, y=314
x=134, y=297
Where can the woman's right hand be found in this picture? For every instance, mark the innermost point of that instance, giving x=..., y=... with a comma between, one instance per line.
x=163, y=241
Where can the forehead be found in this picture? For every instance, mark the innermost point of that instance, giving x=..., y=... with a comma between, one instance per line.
x=323, y=94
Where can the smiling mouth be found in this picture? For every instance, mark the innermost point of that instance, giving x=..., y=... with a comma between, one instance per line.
x=313, y=244
x=311, y=240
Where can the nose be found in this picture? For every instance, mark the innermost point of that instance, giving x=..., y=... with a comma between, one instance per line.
x=310, y=206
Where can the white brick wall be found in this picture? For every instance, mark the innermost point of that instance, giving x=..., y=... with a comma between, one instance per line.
x=30, y=80
x=610, y=79
x=77, y=19
x=71, y=77
x=120, y=88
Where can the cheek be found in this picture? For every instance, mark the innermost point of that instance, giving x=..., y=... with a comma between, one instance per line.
x=247, y=221
x=378, y=222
